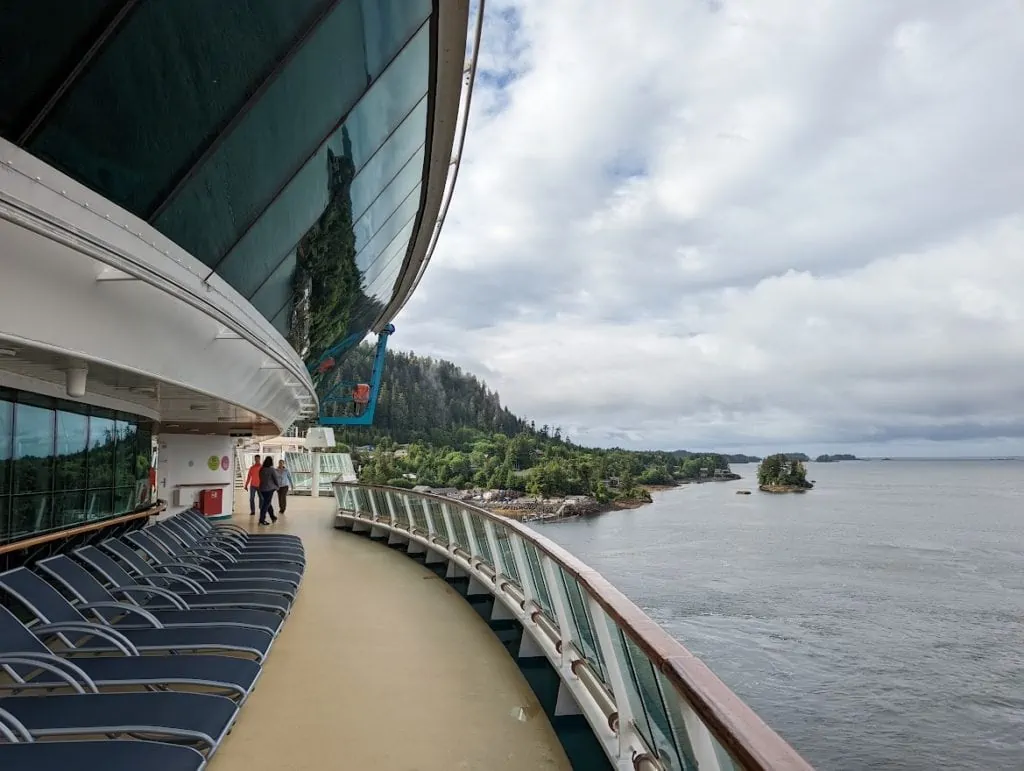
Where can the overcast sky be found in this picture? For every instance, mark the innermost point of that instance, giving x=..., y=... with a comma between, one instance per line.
x=757, y=224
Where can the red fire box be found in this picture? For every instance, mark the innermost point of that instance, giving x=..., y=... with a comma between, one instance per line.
x=211, y=502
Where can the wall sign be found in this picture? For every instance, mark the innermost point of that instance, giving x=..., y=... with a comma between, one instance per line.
x=213, y=462
x=225, y=463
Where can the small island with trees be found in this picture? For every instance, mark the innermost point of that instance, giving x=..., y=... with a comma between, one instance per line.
x=834, y=458
x=782, y=474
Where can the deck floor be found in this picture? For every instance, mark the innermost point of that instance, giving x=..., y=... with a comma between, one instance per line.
x=382, y=665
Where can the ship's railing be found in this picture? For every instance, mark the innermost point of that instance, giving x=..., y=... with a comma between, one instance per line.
x=653, y=703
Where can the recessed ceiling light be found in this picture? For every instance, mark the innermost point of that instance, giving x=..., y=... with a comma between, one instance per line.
x=199, y=407
x=8, y=351
x=142, y=389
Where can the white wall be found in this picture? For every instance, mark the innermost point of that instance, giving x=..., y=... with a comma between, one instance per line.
x=184, y=468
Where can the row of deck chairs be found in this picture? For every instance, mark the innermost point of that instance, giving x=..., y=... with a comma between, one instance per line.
x=153, y=640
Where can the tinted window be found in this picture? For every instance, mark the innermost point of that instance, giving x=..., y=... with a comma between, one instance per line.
x=124, y=454
x=33, y=449
x=72, y=442
x=102, y=441
x=6, y=436
x=62, y=467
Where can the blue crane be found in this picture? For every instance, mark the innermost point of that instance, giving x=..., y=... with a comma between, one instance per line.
x=363, y=396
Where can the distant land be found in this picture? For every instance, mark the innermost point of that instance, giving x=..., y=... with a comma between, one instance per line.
x=834, y=458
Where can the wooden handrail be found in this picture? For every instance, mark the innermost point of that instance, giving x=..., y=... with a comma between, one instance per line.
x=734, y=724
x=99, y=524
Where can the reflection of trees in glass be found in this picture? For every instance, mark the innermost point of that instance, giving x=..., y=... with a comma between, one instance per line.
x=329, y=301
x=60, y=468
x=33, y=448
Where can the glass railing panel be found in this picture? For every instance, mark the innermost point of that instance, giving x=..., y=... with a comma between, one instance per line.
x=381, y=500
x=540, y=584
x=363, y=502
x=584, y=635
x=660, y=735
x=302, y=481
x=458, y=526
x=398, y=505
x=636, y=706
x=419, y=513
x=508, y=558
x=675, y=708
x=483, y=545
x=439, y=528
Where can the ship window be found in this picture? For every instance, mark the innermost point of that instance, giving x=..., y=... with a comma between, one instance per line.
x=33, y=449
x=389, y=230
x=72, y=442
x=320, y=83
x=6, y=437
x=102, y=441
x=379, y=218
x=172, y=77
x=378, y=137
x=38, y=54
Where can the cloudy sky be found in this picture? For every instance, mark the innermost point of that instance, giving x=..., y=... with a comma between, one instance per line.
x=743, y=224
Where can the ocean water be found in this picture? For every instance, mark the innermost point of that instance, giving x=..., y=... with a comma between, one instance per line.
x=876, y=622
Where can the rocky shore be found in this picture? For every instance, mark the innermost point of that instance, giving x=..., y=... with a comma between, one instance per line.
x=784, y=488
x=528, y=508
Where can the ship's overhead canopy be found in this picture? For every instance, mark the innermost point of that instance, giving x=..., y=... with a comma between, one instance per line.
x=283, y=163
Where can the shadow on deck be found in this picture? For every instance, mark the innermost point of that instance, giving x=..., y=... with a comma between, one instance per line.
x=382, y=665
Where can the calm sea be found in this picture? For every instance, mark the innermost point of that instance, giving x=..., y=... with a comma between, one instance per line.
x=876, y=622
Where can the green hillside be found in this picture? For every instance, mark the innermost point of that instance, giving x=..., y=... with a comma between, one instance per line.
x=459, y=435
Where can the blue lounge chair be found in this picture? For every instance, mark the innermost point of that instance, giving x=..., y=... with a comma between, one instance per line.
x=187, y=537
x=181, y=573
x=86, y=588
x=172, y=540
x=58, y=617
x=196, y=718
x=201, y=528
x=204, y=525
x=233, y=677
x=23, y=753
x=179, y=588
x=166, y=550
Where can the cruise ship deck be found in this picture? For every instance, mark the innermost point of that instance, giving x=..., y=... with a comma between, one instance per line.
x=383, y=665
x=204, y=209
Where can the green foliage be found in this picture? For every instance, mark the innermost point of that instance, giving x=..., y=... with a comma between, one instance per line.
x=447, y=429
x=779, y=470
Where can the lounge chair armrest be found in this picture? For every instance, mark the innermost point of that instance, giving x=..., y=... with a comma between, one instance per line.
x=229, y=526
x=207, y=574
x=54, y=660
x=172, y=597
x=14, y=729
x=220, y=540
x=7, y=659
x=173, y=578
x=213, y=550
x=126, y=607
x=109, y=634
x=202, y=558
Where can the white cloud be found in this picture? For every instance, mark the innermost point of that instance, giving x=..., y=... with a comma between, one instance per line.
x=716, y=223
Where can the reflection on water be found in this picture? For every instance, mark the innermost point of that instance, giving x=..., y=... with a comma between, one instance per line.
x=875, y=622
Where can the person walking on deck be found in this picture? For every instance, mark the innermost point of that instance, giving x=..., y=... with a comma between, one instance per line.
x=268, y=484
x=284, y=481
x=252, y=484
